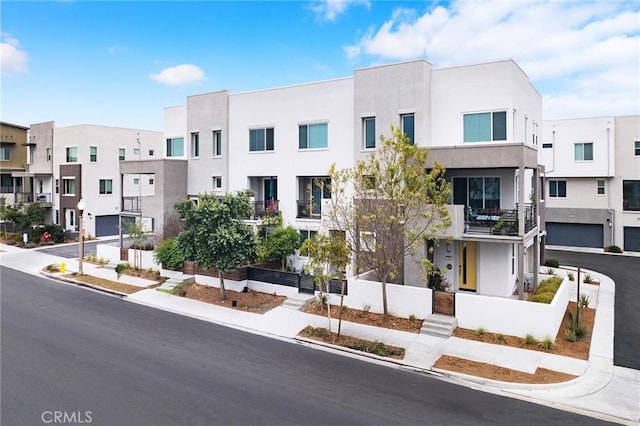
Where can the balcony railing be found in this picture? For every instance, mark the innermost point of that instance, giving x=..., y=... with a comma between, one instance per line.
x=308, y=209
x=24, y=198
x=132, y=204
x=262, y=209
x=499, y=222
x=43, y=197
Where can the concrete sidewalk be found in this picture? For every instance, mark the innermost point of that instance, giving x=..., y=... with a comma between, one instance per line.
x=601, y=390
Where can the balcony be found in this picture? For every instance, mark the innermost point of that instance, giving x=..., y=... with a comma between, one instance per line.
x=132, y=204
x=43, y=198
x=307, y=209
x=498, y=222
x=263, y=209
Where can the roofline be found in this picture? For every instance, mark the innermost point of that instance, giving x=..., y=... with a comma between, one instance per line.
x=6, y=123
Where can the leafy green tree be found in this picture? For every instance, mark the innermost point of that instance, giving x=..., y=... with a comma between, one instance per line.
x=214, y=233
x=168, y=254
x=25, y=218
x=388, y=205
x=280, y=243
x=137, y=234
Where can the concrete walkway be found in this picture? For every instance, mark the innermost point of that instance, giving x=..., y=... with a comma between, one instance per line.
x=601, y=390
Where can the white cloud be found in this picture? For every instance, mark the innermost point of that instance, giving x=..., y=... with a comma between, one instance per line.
x=179, y=75
x=113, y=49
x=581, y=56
x=329, y=10
x=12, y=59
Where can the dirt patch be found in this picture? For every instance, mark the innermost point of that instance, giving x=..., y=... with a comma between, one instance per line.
x=148, y=274
x=489, y=371
x=562, y=346
x=251, y=301
x=377, y=348
x=107, y=284
x=368, y=318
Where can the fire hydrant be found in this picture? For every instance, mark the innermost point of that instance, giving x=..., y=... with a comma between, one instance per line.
x=63, y=267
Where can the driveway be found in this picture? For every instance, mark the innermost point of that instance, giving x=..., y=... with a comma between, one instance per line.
x=625, y=271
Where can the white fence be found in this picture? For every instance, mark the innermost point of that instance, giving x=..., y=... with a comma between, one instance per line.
x=279, y=290
x=513, y=317
x=112, y=254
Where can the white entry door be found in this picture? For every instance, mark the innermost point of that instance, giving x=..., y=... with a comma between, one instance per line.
x=70, y=219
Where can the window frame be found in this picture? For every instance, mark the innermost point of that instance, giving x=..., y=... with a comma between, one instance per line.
x=66, y=186
x=626, y=189
x=636, y=148
x=105, y=186
x=170, y=146
x=368, y=140
x=494, y=117
x=307, y=136
x=265, y=143
x=93, y=154
x=195, y=144
x=122, y=154
x=5, y=153
x=583, y=145
x=68, y=151
x=601, y=189
x=411, y=136
x=217, y=143
x=555, y=192
x=217, y=183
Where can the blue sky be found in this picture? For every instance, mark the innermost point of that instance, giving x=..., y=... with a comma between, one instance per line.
x=119, y=63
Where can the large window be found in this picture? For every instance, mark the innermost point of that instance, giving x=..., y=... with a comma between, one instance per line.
x=5, y=154
x=93, y=154
x=311, y=136
x=631, y=195
x=583, y=151
x=557, y=188
x=217, y=143
x=106, y=186
x=485, y=127
x=261, y=139
x=407, y=125
x=72, y=154
x=175, y=147
x=484, y=192
x=68, y=186
x=369, y=132
x=195, y=145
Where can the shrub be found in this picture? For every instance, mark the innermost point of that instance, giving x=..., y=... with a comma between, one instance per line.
x=546, y=297
x=500, y=338
x=529, y=340
x=587, y=278
x=55, y=233
x=169, y=255
x=584, y=301
x=613, y=249
x=546, y=344
x=550, y=271
x=412, y=317
x=319, y=332
x=551, y=262
x=53, y=268
x=480, y=331
x=121, y=267
x=570, y=276
x=547, y=290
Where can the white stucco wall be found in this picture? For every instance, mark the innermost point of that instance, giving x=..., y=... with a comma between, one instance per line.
x=175, y=126
x=494, y=269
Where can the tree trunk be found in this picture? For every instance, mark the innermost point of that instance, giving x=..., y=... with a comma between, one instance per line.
x=223, y=295
x=328, y=306
x=384, y=299
x=341, y=305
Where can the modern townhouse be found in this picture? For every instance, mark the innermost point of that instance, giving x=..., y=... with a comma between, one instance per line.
x=13, y=159
x=480, y=121
x=592, y=186
x=82, y=162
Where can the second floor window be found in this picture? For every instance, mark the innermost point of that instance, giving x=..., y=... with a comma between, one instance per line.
x=485, y=127
x=407, y=125
x=583, y=151
x=312, y=136
x=600, y=184
x=175, y=147
x=195, y=145
x=631, y=195
x=93, y=154
x=106, y=186
x=261, y=139
x=69, y=186
x=637, y=148
x=72, y=154
x=217, y=143
x=5, y=154
x=369, y=132
x=557, y=188
x=121, y=154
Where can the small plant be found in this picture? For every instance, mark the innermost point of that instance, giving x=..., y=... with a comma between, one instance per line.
x=480, y=331
x=584, y=301
x=412, y=317
x=529, y=339
x=546, y=344
x=322, y=299
x=121, y=267
x=613, y=249
x=500, y=338
x=587, y=278
x=319, y=332
x=570, y=276
x=344, y=308
x=53, y=268
x=179, y=290
x=571, y=336
x=552, y=262
x=366, y=307
x=576, y=331
x=550, y=271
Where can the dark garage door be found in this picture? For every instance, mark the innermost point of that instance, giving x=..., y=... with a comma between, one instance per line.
x=108, y=225
x=574, y=234
x=631, y=238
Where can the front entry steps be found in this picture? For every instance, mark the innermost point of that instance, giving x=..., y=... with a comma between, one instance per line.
x=439, y=325
x=298, y=301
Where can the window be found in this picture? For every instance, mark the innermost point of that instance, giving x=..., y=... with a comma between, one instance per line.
x=106, y=186
x=217, y=143
x=261, y=139
x=637, y=148
x=312, y=136
x=369, y=132
x=121, y=154
x=136, y=151
x=407, y=126
x=484, y=192
x=583, y=151
x=48, y=154
x=367, y=241
x=68, y=186
x=557, y=188
x=547, y=145
x=304, y=235
x=57, y=219
x=485, y=127
x=72, y=217
x=217, y=182
x=136, y=181
x=150, y=153
x=5, y=154
x=57, y=186
x=72, y=154
x=631, y=195
x=93, y=154
x=151, y=181
x=195, y=145
x=600, y=184
x=175, y=147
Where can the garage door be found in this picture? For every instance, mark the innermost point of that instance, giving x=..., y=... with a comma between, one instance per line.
x=108, y=225
x=631, y=238
x=574, y=234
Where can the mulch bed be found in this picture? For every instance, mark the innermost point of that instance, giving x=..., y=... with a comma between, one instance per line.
x=251, y=301
x=107, y=284
x=377, y=348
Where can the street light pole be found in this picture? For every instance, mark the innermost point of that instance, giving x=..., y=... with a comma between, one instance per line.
x=81, y=207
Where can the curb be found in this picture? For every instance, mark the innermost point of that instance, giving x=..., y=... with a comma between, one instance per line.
x=83, y=284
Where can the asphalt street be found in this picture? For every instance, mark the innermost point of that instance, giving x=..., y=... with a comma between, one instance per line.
x=72, y=350
x=625, y=271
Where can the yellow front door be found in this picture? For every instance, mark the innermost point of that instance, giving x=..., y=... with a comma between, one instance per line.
x=467, y=265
